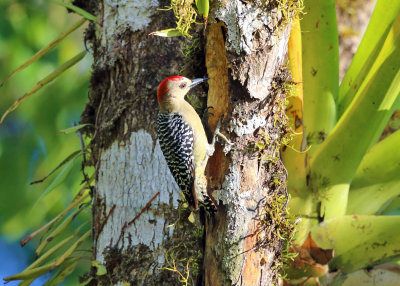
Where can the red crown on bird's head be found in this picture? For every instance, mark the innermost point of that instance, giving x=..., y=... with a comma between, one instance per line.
x=163, y=88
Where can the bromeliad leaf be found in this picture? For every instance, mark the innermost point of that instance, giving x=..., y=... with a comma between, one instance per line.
x=358, y=241
x=384, y=15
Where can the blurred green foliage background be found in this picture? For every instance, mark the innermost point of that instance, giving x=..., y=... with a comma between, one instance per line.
x=29, y=145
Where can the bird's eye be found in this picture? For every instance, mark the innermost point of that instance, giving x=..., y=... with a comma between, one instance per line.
x=182, y=85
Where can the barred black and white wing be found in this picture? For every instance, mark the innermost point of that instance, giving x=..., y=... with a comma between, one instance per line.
x=176, y=141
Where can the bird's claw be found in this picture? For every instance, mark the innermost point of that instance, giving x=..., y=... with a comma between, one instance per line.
x=206, y=115
x=219, y=134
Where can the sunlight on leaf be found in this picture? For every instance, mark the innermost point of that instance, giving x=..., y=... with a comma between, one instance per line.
x=43, y=82
x=44, y=50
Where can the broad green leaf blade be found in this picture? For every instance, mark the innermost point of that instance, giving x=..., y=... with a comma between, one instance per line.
x=381, y=20
x=372, y=199
x=337, y=159
x=358, y=241
x=167, y=33
x=380, y=164
x=392, y=208
x=73, y=128
x=320, y=69
x=44, y=50
x=77, y=10
x=44, y=82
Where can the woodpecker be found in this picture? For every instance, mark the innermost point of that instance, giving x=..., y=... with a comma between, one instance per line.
x=183, y=140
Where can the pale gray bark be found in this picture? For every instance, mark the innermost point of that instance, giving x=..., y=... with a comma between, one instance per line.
x=128, y=177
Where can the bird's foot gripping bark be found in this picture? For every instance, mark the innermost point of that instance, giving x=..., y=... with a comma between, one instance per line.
x=219, y=134
x=211, y=147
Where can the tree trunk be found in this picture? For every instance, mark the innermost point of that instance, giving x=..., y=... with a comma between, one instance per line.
x=141, y=230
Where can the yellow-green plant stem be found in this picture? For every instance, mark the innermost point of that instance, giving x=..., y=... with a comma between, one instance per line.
x=320, y=69
x=381, y=20
x=294, y=156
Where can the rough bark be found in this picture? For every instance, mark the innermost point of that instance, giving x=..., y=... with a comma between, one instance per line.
x=139, y=226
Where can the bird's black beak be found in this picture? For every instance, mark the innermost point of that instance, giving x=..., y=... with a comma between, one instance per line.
x=196, y=81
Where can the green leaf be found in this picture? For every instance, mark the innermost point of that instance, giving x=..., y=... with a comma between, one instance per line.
x=384, y=14
x=73, y=128
x=73, y=155
x=59, y=178
x=78, y=199
x=358, y=241
x=372, y=199
x=203, y=7
x=86, y=282
x=30, y=273
x=50, y=252
x=380, y=164
x=78, y=10
x=101, y=269
x=62, y=273
x=26, y=282
x=58, y=230
x=44, y=82
x=337, y=159
x=167, y=33
x=44, y=50
x=382, y=275
x=71, y=250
